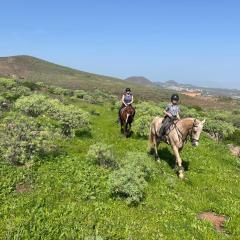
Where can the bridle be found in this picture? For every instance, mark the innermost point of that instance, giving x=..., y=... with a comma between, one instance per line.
x=190, y=132
x=193, y=140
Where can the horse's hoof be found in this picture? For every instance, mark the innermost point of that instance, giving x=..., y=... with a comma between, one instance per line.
x=181, y=175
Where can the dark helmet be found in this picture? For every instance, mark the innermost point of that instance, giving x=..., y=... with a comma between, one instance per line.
x=127, y=90
x=175, y=97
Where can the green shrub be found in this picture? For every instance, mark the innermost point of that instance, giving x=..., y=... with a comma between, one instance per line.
x=190, y=112
x=234, y=137
x=7, y=83
x=22, y=139
x=61, y=91
x=150, y=109
x=35, y=105
x=142, y=125
x=219, y=129
x=102, y=155
x=80, y=94
x=145, y=112
x=129, y=182
x=69, y=117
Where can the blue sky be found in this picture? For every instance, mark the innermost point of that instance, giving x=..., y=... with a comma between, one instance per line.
x=190, y=41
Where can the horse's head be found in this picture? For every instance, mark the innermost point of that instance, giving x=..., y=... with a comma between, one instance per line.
x=196, y=131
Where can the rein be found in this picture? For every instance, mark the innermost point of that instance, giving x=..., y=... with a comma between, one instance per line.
x=180, y=134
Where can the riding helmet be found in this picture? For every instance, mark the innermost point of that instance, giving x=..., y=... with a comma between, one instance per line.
x=128, y=90
x=175, y=97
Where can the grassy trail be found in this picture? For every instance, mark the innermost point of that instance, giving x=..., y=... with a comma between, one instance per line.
x=68, y=198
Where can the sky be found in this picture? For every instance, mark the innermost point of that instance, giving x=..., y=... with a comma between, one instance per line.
x=190, y=41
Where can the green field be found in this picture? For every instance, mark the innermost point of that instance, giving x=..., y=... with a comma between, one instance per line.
x=66, y=196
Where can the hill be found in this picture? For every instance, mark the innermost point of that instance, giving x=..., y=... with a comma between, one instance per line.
x=139, y=80
x=31, y=69
x=35, y=69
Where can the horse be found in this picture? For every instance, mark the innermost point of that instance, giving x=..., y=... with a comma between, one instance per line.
x=126, y=119
x=177, y=135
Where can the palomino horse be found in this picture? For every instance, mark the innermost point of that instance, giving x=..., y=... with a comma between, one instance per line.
x=176, y=136
x=126, y=119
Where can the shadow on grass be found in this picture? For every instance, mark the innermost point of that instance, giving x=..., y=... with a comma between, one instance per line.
x=167, y=156
x=83, y=134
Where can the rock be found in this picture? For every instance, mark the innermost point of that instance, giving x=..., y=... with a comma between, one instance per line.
x=235, y=150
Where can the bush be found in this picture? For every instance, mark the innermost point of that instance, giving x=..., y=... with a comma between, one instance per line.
x=145, y=112
x=234, y=137
x=142, y=125
x=129, y=182
x=80, y=94
x=31, y=85
x=22, y=139
x=219, y=129
x=7, y=83
x=85, y=96
x=60, y=91
x=150, y=109
x=35, y=105
x=70, y=118
x=102, y=155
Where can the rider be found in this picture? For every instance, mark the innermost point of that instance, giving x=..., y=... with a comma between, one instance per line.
x=126, y=100
x=171, y=114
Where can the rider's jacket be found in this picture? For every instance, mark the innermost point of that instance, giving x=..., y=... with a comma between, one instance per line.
x=174, y=110
x=128, y=98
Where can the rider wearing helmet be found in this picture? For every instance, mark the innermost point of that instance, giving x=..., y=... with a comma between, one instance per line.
x=126, y=100
x=171, y=114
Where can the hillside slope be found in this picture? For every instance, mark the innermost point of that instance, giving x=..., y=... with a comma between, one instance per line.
x=35, y=69
x=27, y=68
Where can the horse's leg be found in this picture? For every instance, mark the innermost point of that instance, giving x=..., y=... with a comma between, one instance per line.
x=156, y=143
x=179, y=162
x=126, y=130
x=122, y=126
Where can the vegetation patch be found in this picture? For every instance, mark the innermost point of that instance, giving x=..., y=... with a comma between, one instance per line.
x=130, y=180
x=102, y=155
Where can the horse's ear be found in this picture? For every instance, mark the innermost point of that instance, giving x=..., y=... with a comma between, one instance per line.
x=203, y=121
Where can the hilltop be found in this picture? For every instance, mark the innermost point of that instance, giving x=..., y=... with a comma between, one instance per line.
x=139, y=80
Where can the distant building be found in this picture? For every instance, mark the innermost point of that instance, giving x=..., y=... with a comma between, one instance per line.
x=192, y=93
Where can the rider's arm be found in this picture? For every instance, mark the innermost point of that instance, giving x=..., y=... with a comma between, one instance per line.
x=167, y=113
x=123, y=101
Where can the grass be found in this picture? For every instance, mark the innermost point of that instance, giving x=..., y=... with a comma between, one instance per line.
x=69, y=197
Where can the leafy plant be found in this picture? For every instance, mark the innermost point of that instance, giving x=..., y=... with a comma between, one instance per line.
x=102, y=155
x=22, y=139
x=35, y=104
x=142, y=125
x=69, y=117
x=130, y=180
x=219, y=129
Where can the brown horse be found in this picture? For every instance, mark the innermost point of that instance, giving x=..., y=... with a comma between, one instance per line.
x=126, y=119
x=176, y=136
